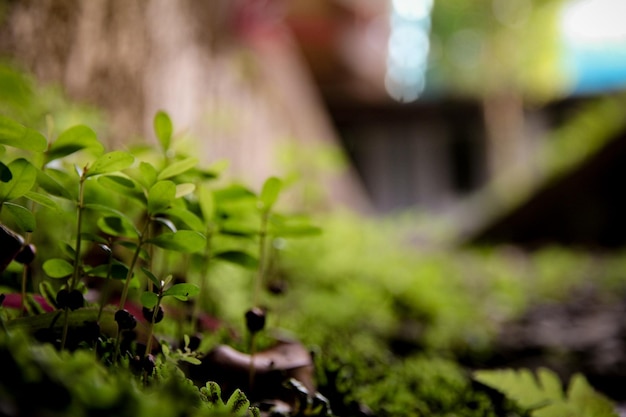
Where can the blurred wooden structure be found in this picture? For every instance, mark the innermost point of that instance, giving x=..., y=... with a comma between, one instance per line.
x=228, y=72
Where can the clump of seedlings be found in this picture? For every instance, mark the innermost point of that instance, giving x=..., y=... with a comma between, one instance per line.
x=91, y=220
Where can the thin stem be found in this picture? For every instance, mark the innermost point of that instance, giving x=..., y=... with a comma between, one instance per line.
x=258, y=285
x=79, y=226
x=155, y=311
x=23, y=298
x=251, y=370
x=129, y=275
x=203, y=279
x=105, y=291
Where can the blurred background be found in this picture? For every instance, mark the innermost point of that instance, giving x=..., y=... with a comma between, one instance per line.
x=501, y=117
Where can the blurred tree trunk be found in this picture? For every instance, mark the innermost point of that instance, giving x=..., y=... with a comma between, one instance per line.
x=239, y=100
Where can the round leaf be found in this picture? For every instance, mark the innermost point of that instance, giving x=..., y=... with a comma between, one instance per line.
x=186, y=241
x=177, y=168
x=190, y=219
x=123, y=185
x=184, y=189
x=111, y=162
x=117, y=271
x=160, y=196
x=18, y=136
x=163, y=129
x=149, y=299
x=151, y=277
x=148, y=174
x=24, y=218
x=117, y=226
x=24, y=177
x=269, y=192
x=238, y=258
x=58, y=268
x=182, y=291
x=52, y=186
x=207, y=204
x=42, y=200
x=73, y=140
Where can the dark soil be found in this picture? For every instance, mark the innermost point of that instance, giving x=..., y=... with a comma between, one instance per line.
x=586, y=334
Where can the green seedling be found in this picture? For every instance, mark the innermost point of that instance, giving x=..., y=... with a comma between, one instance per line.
x=151, y=301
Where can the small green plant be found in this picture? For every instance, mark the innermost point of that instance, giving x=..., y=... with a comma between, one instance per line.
x=543, y=395
x=125, y=210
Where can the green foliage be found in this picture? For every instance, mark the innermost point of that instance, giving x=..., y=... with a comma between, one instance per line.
x=236, y=405
x=72, y=140
x=76, y=383
x=544, y=395
x=18, y=136
x=356, y=291
x=163, y=128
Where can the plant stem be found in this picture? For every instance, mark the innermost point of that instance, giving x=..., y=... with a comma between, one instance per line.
x=151, y=327
x=105, y=291
x=258, y=285
x=79, y=225
x=251, y=370
x=23, y=298
x=203, y=278
x=131, y=268
x=79, y=228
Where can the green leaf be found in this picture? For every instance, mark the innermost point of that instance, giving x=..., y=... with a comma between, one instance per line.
x=90, y=237
x=586, y=401
x=148, y=174
x=519, y=385
x=72, y=140
x=151, y=277
x=191, y=360
x=118, y=271
x=238, y=404
x=67, y=249
x=166, y=222
x=207, y=204
x=48, y=292
x=42, y=200
x=24, y=177
x=143, y=254
x=182, y=291
x=238, y=258
x=5, y=173
x=58, y=268
x=24, y=218
x=213, y=393
x=126, y=224
x=190, y=219
x=232, y=192
x=110, y=162
x=186, y=241
x=52, y=186
x=123, y=185
x=149, y=299
x=544, y=394
x=269, y=193
x=163, y=129
x=184, y=189
x=299, y=230
x=18, y=136
x=177, y=168
x=117, y=226
x=160, y=196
